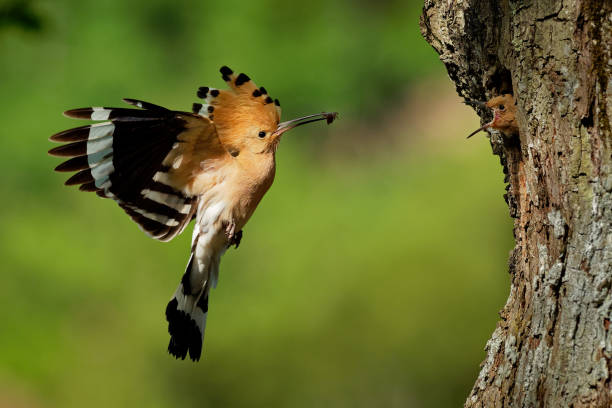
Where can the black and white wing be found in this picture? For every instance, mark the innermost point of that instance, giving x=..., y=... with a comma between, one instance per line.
x=124, y=158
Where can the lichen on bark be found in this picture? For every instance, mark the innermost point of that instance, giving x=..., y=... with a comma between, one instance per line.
x=552, y=346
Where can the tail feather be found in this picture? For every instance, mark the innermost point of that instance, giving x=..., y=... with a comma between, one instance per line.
x=186, y=315
x=187, y=311
x=186, y=328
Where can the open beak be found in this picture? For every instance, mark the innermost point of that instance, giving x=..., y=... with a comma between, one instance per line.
x=290, y=124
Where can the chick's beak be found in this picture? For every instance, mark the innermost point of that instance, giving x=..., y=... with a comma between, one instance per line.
x=290, y=124
x=478, y=130
x=479, y=104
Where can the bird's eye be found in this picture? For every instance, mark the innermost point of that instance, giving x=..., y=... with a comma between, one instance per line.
x=261, y=134
x=502, y=107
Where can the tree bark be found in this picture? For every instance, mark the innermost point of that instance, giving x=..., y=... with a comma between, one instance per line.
x=552, y=346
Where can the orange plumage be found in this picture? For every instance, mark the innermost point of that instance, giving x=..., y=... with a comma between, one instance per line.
x=504, y=115
x=166, y=167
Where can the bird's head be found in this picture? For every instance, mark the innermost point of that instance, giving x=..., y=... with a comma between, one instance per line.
x=504, y=114
x=246, y=117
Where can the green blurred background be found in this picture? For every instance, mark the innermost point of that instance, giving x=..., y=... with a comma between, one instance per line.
x=371, y=274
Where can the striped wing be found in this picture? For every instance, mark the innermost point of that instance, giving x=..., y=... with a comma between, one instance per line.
x=134, y=157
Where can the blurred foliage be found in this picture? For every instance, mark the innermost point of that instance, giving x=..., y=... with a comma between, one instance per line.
x=370, y=275
x=20, y=14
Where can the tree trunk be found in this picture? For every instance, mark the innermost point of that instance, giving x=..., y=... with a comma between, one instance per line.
x=552, y=346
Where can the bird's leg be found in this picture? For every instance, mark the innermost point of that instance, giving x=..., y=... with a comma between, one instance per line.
x=236, y=239
x=233, y=237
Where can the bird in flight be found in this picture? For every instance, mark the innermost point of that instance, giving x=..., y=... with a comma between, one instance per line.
x=165, y=168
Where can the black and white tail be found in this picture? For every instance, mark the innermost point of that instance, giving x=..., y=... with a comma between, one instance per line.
x=186, y=313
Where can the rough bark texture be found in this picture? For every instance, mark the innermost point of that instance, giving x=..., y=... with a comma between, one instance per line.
x=552, y=346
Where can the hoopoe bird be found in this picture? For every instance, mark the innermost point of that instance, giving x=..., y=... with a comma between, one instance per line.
x=165, y=168
x=504, y=115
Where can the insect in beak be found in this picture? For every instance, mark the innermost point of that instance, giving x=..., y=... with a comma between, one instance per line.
x=290, y=124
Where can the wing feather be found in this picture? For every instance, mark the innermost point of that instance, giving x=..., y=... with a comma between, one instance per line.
x=132, y=158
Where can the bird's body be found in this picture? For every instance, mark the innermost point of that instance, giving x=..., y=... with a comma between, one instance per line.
x=166, y=167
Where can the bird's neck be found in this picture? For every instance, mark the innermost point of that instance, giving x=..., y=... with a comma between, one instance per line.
x=259, y=163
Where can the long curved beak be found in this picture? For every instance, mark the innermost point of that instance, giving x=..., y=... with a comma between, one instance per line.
x=290, y=124
x=478, y=130
x=479, y=104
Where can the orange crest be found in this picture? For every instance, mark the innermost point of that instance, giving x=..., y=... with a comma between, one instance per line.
x=240, y=112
